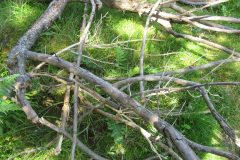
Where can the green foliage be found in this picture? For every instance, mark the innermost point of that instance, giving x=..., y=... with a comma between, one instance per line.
x=225, y=11
x=5, y=89
x=106, y=137
x=117, y=131
x=121, y=56
x=6, y=85
x=6, y=105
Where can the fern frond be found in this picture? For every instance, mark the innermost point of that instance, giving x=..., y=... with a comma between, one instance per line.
x=6, y=84
x=121, y=56
x=7, y=105
x=117, y=131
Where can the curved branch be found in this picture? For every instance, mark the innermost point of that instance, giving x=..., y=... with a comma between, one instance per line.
x=167, y=25
x=79, y=143
x=202, y=148
x=16, y=59
x=161, y=125
x=195, y=3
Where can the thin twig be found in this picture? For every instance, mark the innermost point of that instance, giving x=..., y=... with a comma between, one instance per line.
x=79, y=143
x=88, y=46
x=210, y=4
x=64, y=117
x=85, y=28
x=144, y=132
x=141, y=64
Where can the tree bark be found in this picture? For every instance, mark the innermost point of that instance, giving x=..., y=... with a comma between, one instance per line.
x=16, y=58
x=162, y=126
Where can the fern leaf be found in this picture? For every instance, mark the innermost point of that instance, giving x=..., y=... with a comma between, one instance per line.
x=6, y=106
x=6, y=84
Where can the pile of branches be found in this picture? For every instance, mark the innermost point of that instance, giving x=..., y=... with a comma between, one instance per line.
x=177, y=145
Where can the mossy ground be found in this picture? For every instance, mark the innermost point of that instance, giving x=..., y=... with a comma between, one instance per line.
x=17, y=133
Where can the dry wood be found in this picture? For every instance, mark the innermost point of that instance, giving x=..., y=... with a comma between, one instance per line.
x=79, y=143
x=222, y=122
x=118, y=99
x=141, y=64
x=65, y=115
x=162, y=126
x=16, y=60
x=84, y=29
x=197, y=2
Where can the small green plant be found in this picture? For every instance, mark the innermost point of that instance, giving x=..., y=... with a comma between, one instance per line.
x=6, y=104
x=225, y=10
x=118, y=132
x=6, y=85
x=121, y=56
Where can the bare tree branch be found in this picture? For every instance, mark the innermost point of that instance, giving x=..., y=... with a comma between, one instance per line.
x=79, y=143
x=162, y=126
x=65, y=115
x=16, y=59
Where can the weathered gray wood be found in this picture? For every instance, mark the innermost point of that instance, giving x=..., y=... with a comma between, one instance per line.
x=16, y=59
x=162, y=126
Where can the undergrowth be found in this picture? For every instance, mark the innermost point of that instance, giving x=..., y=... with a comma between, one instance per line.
x=114, y=140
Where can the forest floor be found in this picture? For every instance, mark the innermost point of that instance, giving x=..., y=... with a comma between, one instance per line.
x=163, y=52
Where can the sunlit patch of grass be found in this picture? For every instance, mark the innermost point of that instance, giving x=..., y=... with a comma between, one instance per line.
x=131, y=29
x=16, y=17
x=209, y=156
x=193, y=47
x=187, y=59
x=199, y=50
x=21, y=14
x=222, y=38
x=42, y=154
x=63, y=33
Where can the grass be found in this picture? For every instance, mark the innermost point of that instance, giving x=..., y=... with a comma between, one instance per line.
x=18, y=133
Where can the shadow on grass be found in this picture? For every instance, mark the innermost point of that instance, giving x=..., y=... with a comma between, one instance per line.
x=117, y=26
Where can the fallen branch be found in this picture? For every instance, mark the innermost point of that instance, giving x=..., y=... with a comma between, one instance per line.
x=144, y=132
x=162, y=126
x=79, y=143
x=65, y=115
x=85, y=28
x=16, y=59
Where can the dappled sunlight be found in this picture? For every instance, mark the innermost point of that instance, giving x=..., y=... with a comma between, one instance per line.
x=15, y=18
x=113, y=74
x=193, y=47
x=209, y=156
x=117, y=150
x=222, y=38
x=229, y=41
x=118, y=60
x=215, y=141
x=131, y=29
x=186, y=60
x=23, y=13
x=20, y=14
x=181, y=60
x=52, y=45
x=208, y=54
